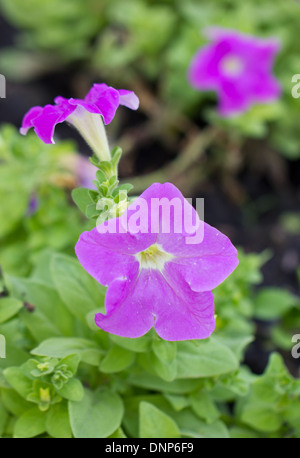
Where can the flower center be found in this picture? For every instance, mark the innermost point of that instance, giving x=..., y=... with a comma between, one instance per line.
x=153, y=257
x=231, y=65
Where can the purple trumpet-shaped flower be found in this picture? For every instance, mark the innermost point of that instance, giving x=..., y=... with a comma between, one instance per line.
x=160, y=263
x=238, y=67
x=101, y=99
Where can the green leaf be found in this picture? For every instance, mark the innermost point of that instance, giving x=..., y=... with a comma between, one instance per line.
x=60, y=347
x=204, y=359
x=177, y=402
x=123, y=187
x=235, y=341
x=261, y=416
x=13, y=206
x=71, y=361
x=281, y=337
x=151, y=363
x=118, y=434
x=153, y=423
x=3, y=417
x=97, y=415
x=14, y=403
x=204, y=407
x=41, y=272
x=9, y=307
x=236, y=432
x=292, y=414
x=14, y=335
x=72, y=390
x=79, y=291
x=153, y=382
x=49, y=316
x=38, y=325
x=92, y=211
x=132, y=406
x=191, y=426
x=164, y=350
x=30, y=424
x=264, y=407
x=19, y=381
x=229, y=386
x=57, y=422
x=138, y=345
x=116, y=360
x=273, y=303
x=82, y=199
x=167, y=371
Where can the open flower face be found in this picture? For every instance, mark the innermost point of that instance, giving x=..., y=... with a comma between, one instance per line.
x=160, y=263
x=238, y=67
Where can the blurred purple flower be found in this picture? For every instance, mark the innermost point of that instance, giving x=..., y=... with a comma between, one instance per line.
x=101, y=99
x=86, y=172
x=82, y=169
x=154, y=277
x=238, y=67
x=33, y=205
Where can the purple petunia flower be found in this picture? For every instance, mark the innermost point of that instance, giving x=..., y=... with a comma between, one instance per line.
x=238, y=67
x=101, y=99
x=85, y=172
x=33, y=205
x=155, y=275
x=81, y=169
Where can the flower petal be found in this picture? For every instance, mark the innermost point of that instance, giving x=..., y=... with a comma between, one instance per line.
x=184, y=317
x=234, y=98
x=29, y=118
x=204, y=72
x=45, y=122
x=205, y=241
x=44, y=119
x=101, y=99
x=132, y=309
x=128, y=99
x=128, y=312
x=162, y=210
x=202, y=273
x=103, y=257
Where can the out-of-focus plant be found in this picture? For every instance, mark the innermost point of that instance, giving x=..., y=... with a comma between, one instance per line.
x=65, y=29
x=33, y=178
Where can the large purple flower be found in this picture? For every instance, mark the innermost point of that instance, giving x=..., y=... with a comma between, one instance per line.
x=238, y=67
x=101, y=99
x=160, y=263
